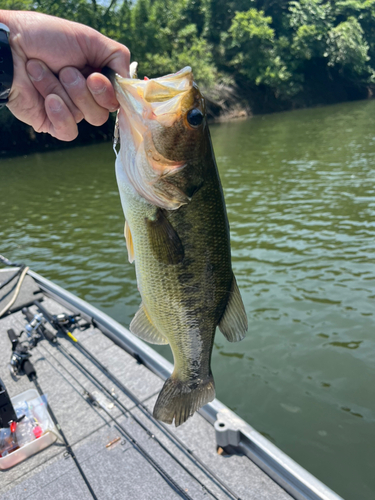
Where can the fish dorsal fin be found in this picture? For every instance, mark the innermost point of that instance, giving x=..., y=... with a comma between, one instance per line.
x=233, y=323
x=142, y=327
x=129, y=242
x=165, y=242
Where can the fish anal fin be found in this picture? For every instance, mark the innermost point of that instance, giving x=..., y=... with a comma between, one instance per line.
x=233, y=323
x=165, y=242
x=142, y=327
x=129, y=242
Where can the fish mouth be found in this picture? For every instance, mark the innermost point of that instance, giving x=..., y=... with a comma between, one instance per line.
x=155, y=99
x=144, y=105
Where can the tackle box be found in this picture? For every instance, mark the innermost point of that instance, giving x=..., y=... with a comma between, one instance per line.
x=31, y=399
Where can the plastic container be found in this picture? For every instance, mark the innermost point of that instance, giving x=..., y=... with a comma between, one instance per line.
x=41, y=433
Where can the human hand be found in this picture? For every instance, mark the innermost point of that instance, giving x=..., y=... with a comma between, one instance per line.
x=44, y=46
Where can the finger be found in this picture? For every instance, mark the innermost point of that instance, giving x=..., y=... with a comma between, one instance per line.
x=26, y=103
x=46, y=83
x=102, y=91
x=110, y=53
x=75, y=85
x=60, y=122
x=120, y=61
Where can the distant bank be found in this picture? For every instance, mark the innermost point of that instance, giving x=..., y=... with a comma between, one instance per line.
x=224, y=104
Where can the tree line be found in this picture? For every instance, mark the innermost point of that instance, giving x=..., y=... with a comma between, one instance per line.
x=276, y=54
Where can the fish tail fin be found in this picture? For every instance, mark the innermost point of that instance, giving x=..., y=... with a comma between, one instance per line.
x=179, y=400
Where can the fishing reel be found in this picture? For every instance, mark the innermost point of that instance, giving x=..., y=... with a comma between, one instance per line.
x=69, y=320
x=19, y=361
x=20, y=358
x=32, y=328
x=35, y=330
x=34, y=324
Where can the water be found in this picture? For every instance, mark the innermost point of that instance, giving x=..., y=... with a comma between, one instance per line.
x=300, y=192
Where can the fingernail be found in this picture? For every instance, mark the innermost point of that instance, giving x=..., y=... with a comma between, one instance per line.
x=54, y=104
x=97, y=89
x=69, y=76
x=35, y=70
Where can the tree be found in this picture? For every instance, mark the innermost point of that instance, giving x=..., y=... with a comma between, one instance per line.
x=347, y=49
x=249, y=43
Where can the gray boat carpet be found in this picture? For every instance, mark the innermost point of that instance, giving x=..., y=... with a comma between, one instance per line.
x=118, y=471
x=28, y=293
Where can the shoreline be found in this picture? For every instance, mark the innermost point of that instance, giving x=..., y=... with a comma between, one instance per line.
x=23, y=140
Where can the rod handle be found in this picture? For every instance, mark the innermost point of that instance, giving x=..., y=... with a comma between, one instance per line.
x=29, y=369
x=29, y=315
x=13, y=338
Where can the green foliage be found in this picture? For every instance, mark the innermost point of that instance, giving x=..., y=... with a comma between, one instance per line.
x=165, y=39
x=364, y=12
x=272, y=45
x=347, y=48
x=250, y=42
x=16, y=4
x=186, y=49
x=310, y=21
x=309, y=12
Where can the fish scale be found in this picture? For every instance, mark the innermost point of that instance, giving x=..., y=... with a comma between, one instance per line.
x=178, y=233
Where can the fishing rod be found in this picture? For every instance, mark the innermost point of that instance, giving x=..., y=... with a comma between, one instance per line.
x=53, y=320
x=56, y=324
x=92, y=400
x=177, y=442
x=177, y=488
x=20, y=364
x=41, y=329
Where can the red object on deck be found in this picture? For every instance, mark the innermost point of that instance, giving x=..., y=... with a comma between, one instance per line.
x=38, y=431
x=13, y=427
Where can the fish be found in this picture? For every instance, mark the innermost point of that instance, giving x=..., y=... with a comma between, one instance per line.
x=177, y=233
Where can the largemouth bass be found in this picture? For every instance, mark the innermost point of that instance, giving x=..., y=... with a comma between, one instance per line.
x=177, y=233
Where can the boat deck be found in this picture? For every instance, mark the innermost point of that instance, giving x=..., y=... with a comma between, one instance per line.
x=123, y=452
x=120, y=470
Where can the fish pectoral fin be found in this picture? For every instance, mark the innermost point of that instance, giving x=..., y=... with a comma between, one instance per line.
x=171, y=196
x=129, y=242
x=233, y=323
x=142, y=327
x=165, y=242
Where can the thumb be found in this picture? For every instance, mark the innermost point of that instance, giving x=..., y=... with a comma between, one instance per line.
x=116, y=57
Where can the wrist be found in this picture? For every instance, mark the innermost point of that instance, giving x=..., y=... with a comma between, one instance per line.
x=9, y=18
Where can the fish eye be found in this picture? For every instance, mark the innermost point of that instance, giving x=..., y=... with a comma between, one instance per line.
x=195, y=117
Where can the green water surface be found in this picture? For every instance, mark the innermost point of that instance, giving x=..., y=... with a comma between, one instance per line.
x=300, y=193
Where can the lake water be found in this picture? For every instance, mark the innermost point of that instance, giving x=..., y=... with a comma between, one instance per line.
x=300, y=192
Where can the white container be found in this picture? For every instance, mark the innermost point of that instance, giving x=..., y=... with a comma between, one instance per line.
x=35, y=446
